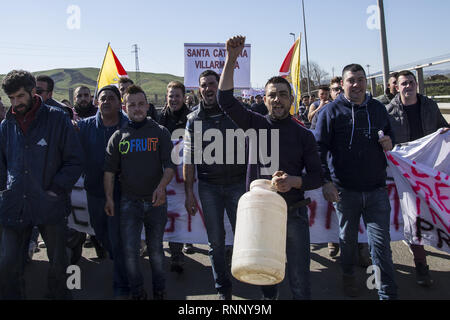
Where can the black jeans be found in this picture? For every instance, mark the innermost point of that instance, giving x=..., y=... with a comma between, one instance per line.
x=13, y=241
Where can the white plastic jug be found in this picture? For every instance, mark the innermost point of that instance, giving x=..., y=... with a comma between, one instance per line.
x=259, y=252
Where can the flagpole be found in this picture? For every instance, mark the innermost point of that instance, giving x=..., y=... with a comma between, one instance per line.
x=100, y=72
x=306, y=48
x=297, y=106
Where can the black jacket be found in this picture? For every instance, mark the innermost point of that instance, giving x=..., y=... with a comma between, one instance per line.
x=430, y=115
x=174, y=120
x=200, y=121
x=48, y=157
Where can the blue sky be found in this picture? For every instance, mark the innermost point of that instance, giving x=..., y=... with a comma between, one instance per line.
x=35, y=35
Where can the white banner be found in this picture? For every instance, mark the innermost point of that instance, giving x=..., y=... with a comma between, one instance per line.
x=199, y=57
x=421, y=171
x=183, y=228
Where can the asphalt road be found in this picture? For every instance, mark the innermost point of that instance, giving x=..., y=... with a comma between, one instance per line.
x=196, y=282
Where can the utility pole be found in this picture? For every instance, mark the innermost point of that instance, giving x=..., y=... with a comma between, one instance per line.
x=383, y=44
x=306, y=47
x=368, y=72
x=135, y=51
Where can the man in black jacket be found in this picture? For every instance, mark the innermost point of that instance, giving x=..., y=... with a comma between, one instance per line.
x=44, y=88
x=41, y=159
x=83, y=106
x=220, y=184
x=412, y=117
x=297, y=170
x=174, y=116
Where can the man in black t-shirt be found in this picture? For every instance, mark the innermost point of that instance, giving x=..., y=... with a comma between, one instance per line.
x=141, y=154
x=412, y=117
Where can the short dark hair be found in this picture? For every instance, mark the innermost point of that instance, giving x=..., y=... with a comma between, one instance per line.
x=305, y=96
x=125, y=80
x=133, y=89
x=354, y=67
x=393, y=75
x=324, y=87
x=336, y=79
x=48, y=80
x=207, y=73
x=406, y=73
x=81, y=87
x=176, y=85
x=17, y=79
x=278, y=79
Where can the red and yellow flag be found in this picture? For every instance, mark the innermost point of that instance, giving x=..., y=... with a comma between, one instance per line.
x=290, y=70
x=111, y=70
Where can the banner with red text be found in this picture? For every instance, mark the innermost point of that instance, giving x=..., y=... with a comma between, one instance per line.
x=199, y=57
x=183, y=228
x=421, y=171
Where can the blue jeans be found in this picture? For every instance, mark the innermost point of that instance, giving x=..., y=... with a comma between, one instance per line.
x=107, y=231
x=298, y=257
x=134, y=214
x=215, y=199
x=14, y=241
x=375, y=209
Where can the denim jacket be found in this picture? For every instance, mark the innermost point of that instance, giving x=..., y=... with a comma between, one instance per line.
x=48, y=157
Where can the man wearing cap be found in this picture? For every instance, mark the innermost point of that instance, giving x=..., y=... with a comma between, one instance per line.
x=95, y=132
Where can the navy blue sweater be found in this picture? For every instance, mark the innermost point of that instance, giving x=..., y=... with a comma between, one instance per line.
x=94, y=137
x=297, y=147
x=349, y=133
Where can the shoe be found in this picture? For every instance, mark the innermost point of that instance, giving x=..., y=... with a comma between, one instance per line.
x=188, y=248
x=333, y=249
x=177, y=264
x=159, y=295
x=423, y=277
x=350, y=288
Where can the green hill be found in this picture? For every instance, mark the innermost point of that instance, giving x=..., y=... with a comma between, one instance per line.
x=152, y=83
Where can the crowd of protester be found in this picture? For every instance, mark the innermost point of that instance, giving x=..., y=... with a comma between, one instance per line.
x=45, y=145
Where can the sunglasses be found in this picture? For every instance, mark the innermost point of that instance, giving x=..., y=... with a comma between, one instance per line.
x=39, y=90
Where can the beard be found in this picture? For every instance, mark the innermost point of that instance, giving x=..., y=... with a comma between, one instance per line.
x=279, y=114
x=23, y=108
x=83, y=105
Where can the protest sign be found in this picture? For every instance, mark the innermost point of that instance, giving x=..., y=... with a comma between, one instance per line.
x=199, y=57
x=183, y=228
x=421, y=171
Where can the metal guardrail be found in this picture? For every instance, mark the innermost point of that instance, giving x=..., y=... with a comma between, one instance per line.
x=417, y=68
x=439, y=97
